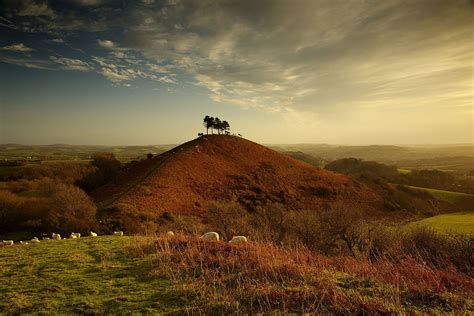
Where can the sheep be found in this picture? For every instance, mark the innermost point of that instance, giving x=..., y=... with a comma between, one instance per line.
x=35, y=240
x=93, y=234
x=7, y=243
x=23, y=242
x=118, y=233
x=45, y=238
x=238, y=240
x=170, y=234
x=56, y=236
x=75, y=235
x=210, y=236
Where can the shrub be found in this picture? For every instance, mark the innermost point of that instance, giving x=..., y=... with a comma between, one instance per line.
x=228, y=219
x=70, y=209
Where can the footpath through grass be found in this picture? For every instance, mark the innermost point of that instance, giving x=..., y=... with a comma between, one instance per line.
x=84, y=276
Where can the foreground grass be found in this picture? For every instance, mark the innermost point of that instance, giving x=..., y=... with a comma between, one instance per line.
x=459, y=223
x=86, y=276
x=138, y=275
x=260, y=277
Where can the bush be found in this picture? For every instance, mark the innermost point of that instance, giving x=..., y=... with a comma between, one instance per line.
x=228, y=219
x=70, y=209
x=106, y=167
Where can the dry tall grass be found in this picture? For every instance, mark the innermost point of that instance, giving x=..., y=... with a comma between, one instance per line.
x=263, y=277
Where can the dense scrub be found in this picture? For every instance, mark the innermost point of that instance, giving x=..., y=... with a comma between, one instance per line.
x=47, y=197
x=263, y=277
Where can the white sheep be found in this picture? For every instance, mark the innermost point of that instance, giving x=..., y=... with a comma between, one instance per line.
x=118, y=233
x=238, y=240
x=7, y=243
x=210, y=236
x=75, y=235
x=56, y=236
x=45, y=238
x=169, y=234
x=35, y=240
x=23, y=242
x=93, y=234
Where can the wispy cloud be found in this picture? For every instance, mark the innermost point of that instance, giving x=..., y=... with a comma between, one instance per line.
x=71, y=64
x=19, y=47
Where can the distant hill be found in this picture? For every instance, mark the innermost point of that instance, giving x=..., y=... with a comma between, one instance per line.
x=218, y=167
x=381, y=153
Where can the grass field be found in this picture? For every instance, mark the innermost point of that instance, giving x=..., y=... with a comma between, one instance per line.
x=447, y=196
x=138, y=275
x=86, y=276
x=460, y=222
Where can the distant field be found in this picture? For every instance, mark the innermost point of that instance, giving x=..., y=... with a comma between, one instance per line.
x=447, y=196
x=461, y=222
x=403, y=170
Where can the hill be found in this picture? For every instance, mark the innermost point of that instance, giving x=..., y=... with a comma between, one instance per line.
x=218, y=167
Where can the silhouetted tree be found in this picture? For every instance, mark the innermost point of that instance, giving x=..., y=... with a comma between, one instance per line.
x=225, y=126
x=208, y=123
x=213, y=123
x=217, y=125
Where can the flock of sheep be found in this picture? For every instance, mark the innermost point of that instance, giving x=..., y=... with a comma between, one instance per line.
x=213, y=236
x=54, y=236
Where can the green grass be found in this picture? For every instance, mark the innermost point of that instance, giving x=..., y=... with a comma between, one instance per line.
x=86, y=276
x=404, y=170
x=447, y=196
x=461, y=223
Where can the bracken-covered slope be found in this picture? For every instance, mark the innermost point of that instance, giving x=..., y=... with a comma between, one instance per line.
x=217, y=167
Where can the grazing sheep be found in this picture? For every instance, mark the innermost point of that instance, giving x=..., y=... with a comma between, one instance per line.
x=93, y=234
x=7, y=243
x=118, y=233
x=23, y=242
x=238, y=240
x=35, y=240
x=45, y=238
x=170, y=234
x=56, y=236
x=75, y=235
x=210, y=236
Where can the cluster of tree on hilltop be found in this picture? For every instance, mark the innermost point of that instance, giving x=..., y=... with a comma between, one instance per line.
x=214, y=123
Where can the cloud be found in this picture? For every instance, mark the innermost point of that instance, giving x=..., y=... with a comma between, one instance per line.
x=325, y=58
x=319, y=59
x=71, y=64
x=27, y=62
x=86, y=3
x=106, y=44
x=28, y=8
x=19, y=47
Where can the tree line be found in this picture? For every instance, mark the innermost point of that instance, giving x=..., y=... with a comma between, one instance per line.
x=214, y=123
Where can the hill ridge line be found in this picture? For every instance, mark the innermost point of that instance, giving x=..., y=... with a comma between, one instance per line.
x=166, y=156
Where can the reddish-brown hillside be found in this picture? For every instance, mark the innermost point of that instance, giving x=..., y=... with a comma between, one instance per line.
x=218, y=167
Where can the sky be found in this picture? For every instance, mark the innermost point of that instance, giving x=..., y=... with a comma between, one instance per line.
x=318, y=71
